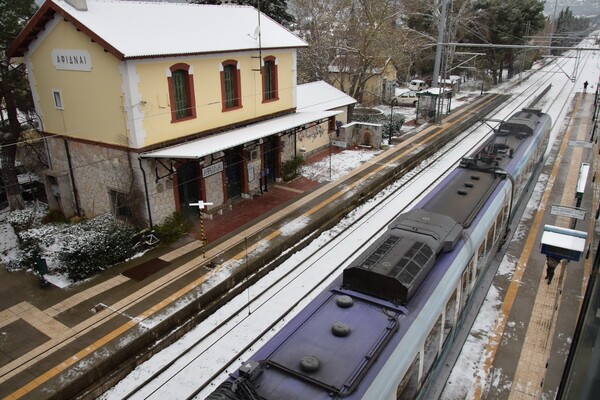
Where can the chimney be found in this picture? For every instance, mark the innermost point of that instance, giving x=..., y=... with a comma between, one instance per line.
x=79, y=5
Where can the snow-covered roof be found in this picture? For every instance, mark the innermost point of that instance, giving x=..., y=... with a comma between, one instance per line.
x=321, y=96
x=141, y=29
x=204, y=146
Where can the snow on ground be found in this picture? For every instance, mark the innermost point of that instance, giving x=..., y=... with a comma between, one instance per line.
x=469, y=366
x=338, y=164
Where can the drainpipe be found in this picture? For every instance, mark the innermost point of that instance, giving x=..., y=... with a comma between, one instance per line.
x=75, y=193
x=146, y=192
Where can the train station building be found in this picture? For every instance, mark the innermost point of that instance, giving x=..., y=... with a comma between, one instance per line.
x=148, y=107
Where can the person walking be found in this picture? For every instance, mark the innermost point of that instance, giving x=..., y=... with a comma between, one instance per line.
x=585, y=85
x=551, y=264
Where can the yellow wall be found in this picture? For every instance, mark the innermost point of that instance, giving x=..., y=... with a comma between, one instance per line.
x=92, y=101
x=127, y=103
x=373, y=86
x=154, y=93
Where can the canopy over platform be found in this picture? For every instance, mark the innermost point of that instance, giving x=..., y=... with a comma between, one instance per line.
x=199, y=148
x=562, y=243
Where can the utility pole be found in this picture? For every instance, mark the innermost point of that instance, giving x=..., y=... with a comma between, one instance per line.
x=440, y=45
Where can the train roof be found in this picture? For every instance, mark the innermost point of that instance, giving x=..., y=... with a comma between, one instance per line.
x=467, y=189
x=394, y=266
x=332, y=350
x=341, y=339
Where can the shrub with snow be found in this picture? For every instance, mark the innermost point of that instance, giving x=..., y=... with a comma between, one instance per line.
x=77, y=250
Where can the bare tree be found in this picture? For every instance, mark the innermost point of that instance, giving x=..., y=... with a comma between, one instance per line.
x=350, y=40
x=319, y=23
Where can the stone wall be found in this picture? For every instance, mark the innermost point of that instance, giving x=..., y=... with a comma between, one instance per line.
x=101, y=174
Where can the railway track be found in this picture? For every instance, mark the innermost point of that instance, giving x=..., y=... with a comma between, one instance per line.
x=242, y=316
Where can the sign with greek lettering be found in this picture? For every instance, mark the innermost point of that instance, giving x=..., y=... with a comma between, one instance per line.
x=566, y=211
x=72, y=60
x=212, y=169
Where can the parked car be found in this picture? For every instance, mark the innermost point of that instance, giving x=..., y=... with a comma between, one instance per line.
x=417, y=85
x=408, y=99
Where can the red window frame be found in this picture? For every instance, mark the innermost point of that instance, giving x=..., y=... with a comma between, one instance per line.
x=274, y=79
x=189, y=81
x=237, y=87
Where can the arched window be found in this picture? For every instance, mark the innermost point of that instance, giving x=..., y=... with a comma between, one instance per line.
x=231, y=91
x=181, y=93
x=269, y=79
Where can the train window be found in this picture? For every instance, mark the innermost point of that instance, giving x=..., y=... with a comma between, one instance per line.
x=450, y=315
x=489, y=242
x=480, y=256
x=473, y=268
x=409, y=385
x=498, y=226
x=432, y=346
x=465, y=282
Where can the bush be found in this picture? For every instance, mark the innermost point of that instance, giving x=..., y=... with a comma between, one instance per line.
x=396, y=124
x=291, y=167
x=28, y=218
x=172, y=228
x=94, y=245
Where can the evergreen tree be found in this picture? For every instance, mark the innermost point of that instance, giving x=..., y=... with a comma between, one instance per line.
x=505, y=22
x=276, y=9
x=14, y=92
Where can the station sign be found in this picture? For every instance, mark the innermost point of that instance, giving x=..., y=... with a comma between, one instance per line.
x=570, y=212
x=212, y=169
x=71, y=60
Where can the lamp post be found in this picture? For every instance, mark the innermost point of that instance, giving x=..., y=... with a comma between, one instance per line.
x=201, y=206
x=392, y=103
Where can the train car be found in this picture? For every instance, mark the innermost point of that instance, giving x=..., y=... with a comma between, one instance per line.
x=380, y=329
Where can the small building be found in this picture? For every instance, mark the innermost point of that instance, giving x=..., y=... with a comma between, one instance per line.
x=321, y=96
x=452, y=82
x=147, y=107
x=380, y=81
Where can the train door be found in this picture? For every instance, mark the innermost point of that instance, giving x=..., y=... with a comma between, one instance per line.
x=270, y=149
x=188, y=189
x=233, y=173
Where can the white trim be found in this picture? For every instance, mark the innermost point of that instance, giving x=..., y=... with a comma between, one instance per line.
x=132, y=104
x=59, y=103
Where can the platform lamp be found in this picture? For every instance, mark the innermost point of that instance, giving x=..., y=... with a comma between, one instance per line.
x=200, y=204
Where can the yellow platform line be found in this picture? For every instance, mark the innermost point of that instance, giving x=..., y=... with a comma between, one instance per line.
x=511, y=293
x=537, y=344
x=174, y=297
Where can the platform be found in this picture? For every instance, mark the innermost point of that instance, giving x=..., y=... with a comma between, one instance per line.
x=525, y=351
x=56, y=342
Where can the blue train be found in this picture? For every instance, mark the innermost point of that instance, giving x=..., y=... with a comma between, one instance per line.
x=379, y=329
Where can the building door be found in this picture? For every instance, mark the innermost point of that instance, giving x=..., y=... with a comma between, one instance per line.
x=233, y=172
x=187, y=190
x=270, y=150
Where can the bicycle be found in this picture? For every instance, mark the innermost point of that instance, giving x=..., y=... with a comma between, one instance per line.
x=146, y=239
